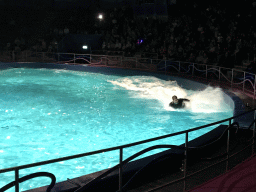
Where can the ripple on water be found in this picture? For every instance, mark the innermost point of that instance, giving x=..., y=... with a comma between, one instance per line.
x=52, y=115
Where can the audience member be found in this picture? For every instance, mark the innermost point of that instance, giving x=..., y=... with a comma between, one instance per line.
x=212, y=34
x=66, y=31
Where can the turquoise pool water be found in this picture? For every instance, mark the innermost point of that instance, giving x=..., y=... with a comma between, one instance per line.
x=46, y=114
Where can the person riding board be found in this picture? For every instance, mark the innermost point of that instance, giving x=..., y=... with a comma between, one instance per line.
x=177, y=103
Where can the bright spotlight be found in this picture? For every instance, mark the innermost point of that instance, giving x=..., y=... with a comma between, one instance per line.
x=100, y=16
x=85, y=47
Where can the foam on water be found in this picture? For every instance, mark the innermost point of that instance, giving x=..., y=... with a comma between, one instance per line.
x=209, y=100
x=47, y=114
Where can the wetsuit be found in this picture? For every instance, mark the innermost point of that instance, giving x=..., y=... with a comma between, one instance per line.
x=180, y=104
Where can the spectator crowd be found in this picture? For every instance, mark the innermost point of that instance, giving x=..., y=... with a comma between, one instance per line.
x=210, y=34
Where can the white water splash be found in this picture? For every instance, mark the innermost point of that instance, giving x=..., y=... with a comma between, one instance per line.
x=208, y=100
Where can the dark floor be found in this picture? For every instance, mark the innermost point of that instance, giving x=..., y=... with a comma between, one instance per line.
x=236, y=144
x=241, y=178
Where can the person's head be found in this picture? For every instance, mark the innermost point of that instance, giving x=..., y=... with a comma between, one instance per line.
x=175, y=99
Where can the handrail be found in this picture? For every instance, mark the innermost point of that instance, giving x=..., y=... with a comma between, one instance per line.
x=143, y=141
x=118, y=147
x=200, y=147
x=220, y=75
x=82, y=188
x=125, y=162
x=218, y=68
x=251, y=124
x=216, y=157
x=125, y=146
x=184, y=148
x=31, y=176
x=229, y=127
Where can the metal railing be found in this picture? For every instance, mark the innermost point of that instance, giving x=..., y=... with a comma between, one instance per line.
x=122, y=147
x=13, y=55
x=234, y=78
x=28, y=177
x=231, y=77
x=225, y=160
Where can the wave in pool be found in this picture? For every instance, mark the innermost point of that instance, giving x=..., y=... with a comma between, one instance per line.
x=46, y=114
x=209, y=100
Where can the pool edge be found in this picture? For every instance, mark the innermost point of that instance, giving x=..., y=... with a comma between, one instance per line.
x=68, y=186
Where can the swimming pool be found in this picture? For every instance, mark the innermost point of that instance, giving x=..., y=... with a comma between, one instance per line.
x=46, y=114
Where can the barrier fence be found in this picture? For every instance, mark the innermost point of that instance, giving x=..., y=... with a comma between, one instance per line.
x=122, y=162
x=235, y=78
x=232, y=78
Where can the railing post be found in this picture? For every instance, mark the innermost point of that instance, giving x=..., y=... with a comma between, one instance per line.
x=179, y=66
x=74, y=58
x=185, y=161
x=244, y=82
x=13, y=56
x=227, y=161
x=16, y=180
x=232, y=76
x=253, y=134
x=22, y=57
x=219, y=73
x=58, y=57
x=165, y=67
x=254, y=87
x=193, y=69
x=120, y=169
x=206, y=70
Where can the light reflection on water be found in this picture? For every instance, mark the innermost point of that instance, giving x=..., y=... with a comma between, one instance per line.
x=46, y=114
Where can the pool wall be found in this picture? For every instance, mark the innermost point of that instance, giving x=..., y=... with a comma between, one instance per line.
x=170, y=160
x=184, y=83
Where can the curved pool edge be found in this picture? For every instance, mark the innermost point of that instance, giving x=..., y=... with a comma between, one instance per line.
x=145, y=169
x=175, y=156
